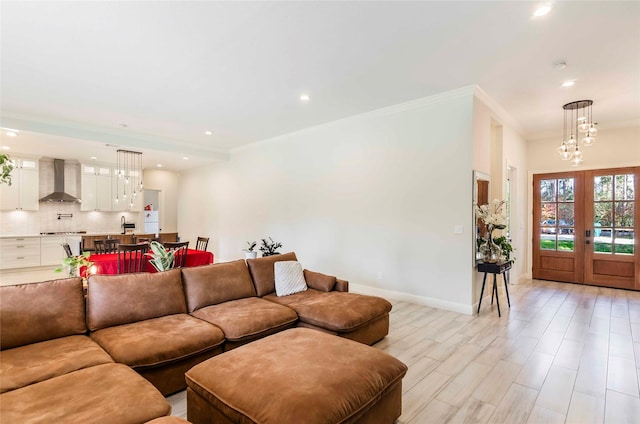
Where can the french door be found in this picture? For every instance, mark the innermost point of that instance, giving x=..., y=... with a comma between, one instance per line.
x=584, y=226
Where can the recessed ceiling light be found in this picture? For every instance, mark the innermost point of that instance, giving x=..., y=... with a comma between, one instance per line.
x=6, y=148
x=93, y=158
x=305, y=97
x=185, y=158
x=570, y=83
x=542, y=10
x=208, y=132
x=159, y=165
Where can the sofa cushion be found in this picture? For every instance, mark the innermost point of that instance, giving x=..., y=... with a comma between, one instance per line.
x=249, y=318
x=122, y=299
x=40, y=361
x=289, y=278
x=35, y=312
x=111, y=393
x=159, y=340
x=335, y=311
x=319, y=281
x=216, y=283
x=262, y=272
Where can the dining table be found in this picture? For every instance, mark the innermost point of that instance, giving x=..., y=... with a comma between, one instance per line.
x=107, y=263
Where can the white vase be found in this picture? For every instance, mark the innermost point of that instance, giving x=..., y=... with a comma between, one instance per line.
x=250, y=255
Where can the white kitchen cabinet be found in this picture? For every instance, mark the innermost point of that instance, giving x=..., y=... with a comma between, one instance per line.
x=19, y=252
x=23, y=193
x=51, y=250
x=96, y=181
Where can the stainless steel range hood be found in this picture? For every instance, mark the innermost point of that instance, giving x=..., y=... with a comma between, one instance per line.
x=58, y=194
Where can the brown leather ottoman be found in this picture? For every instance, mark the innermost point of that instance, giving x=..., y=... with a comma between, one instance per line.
x=297, y=376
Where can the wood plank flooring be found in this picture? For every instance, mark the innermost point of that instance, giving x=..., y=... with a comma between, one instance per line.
x=563, y=353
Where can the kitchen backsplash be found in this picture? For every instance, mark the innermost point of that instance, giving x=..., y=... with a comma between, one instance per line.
x=46, y=219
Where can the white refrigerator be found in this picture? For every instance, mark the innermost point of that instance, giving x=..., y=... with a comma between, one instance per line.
x=151, y=222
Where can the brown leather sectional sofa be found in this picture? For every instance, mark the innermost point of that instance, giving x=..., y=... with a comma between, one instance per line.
x=64, y=354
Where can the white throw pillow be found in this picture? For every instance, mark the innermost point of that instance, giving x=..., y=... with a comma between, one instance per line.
x=289, y=278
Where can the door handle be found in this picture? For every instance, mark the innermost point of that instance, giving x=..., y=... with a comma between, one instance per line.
x=588, y=233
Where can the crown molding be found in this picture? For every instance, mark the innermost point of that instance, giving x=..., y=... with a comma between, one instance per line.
x=457, y=93
x=499, y=113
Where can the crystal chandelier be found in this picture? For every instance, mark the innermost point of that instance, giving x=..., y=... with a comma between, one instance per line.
x=129, y=171
x=578, y=122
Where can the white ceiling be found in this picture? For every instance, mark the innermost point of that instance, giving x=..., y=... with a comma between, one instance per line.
x=170, y=70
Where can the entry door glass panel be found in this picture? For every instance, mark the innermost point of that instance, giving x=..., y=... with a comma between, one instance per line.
x=614, y=211
x=557, y=214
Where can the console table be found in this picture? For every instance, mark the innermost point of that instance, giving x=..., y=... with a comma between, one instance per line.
x=495, y=269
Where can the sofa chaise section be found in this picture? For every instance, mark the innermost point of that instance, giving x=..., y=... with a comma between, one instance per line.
x=223, y=294
x=364, y=319
x=44, y=333
x=141, y=321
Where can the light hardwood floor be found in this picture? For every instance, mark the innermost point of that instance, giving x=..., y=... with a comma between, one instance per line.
x=563, y=353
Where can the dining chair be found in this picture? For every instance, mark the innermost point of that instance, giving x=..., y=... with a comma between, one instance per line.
x=142, y=238
x=180, y=255
x=202, y=243
x=131, y=257
x=111, y=245
x=67, y=249
x=98, y=246
x=106, y=246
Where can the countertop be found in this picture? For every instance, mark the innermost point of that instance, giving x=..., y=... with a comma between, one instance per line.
x=110, y=233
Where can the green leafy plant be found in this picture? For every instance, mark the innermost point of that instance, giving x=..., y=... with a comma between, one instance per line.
x=74, y=263
x=6, y=166
x=252, y=245
x=506, y=247
x=161, y=259
x=269, y=248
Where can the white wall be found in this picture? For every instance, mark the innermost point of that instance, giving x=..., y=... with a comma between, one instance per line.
x=376, y=195
x=498, y=145
x=613, y=148
x=167, y=183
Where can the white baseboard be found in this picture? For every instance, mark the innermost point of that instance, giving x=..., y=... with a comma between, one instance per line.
x=407, y=297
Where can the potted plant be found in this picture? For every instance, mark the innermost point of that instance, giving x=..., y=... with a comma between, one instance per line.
x=269, y=248
x=161, y=259
x=74, y=264
x=6, y=166
x=248, y=252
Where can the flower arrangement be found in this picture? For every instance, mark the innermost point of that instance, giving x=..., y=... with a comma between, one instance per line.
x=492, y=215
x=494, y=218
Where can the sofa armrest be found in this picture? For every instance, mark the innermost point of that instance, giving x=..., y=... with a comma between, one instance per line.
x=341, y=285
